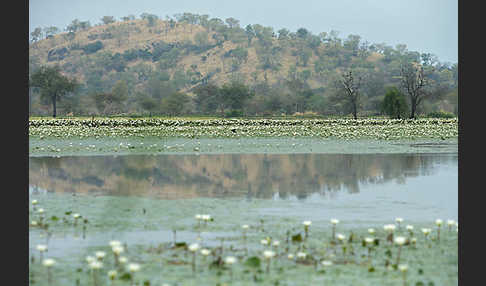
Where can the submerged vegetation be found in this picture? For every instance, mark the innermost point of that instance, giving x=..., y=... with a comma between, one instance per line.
x=230, y=249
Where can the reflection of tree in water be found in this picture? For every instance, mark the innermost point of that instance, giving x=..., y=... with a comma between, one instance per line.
x=250, y=175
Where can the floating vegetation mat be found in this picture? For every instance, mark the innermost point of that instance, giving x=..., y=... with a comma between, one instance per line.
x=235, y=128
x=125, y=136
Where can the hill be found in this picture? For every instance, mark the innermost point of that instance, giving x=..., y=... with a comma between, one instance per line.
x=152, y=58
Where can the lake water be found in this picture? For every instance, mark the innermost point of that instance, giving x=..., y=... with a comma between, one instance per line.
x=353, y=186
x=363, y=190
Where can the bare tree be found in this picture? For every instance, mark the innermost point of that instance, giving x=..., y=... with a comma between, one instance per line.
x=416, y=84
x=351, y=86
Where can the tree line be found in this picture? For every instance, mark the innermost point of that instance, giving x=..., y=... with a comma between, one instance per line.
x=232, y=99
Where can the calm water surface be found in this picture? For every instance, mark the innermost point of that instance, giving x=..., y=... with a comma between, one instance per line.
x=358, y=186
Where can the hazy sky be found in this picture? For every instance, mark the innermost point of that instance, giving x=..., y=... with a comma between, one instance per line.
x=423, y=25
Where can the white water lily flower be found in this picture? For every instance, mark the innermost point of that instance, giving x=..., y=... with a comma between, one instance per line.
x=451, y=222
x=403, y=267
x=112, y=274
x=409, y=227
x=205, y=252
x=198, y=217
x=334, y=221
x=100, y=254
x=371, y=230
x=76, y=215
x=206, y=217
x=400, y=240
x=96, y=265
x=301, y=255
x=290, y=256
x=264, y=241
x=438, y=222
x=326, y=263
x=133, y=267
x=48, y=262
x=245, y=226
x=115, y=243
x=41, y=211
x=34, y=202
x=426, y=231
x=307, y=223
x=230, y=260
x=117, y=249
x=41, y=247
x=123, y=260
x=276, y=243
x=389, y=228
x=194, y=247
x=399, y=220
x=33, y=223
x=413, y=240
x=369, y=240
x=340, y=237
x=268, y=254
x=90, y=259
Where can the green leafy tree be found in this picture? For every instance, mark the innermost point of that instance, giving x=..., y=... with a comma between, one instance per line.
x=52, y=84
x=204, y=21
x=216, y=24
x=147, y=102
x=112, y=102
x=302, y=33
x=273, y=102
x=174, y=104
x=151, y=19
x=84, y=25
x=108, y=20
x=264, y=35
x=352, y=44
x=234, y=95
x=207, y=98
x=283, y=34
x=128, y=18
x=250, y=33
x=394, y=104
x=74, y=26
x=36, y=35
x=159, y=85
x=51, y=31
x=120, y=93
x=232, y=23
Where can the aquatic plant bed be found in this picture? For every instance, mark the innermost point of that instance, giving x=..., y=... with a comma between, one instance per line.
x=237, y=128
x=153, y=136
x=206, y=241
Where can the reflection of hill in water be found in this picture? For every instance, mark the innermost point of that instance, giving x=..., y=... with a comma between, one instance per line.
x=228, y=175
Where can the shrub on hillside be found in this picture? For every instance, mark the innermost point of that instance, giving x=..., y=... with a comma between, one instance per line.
x=92, y=47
